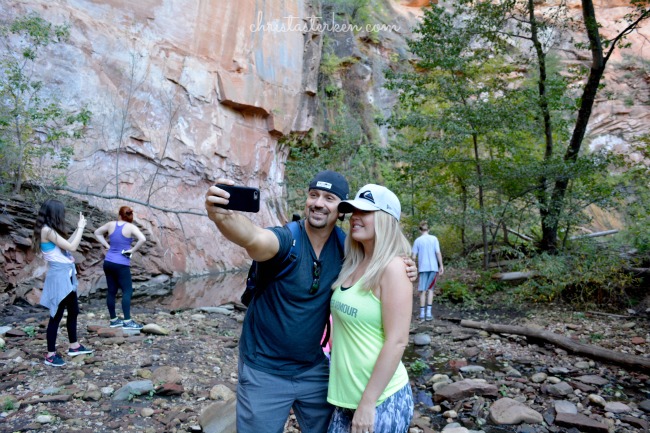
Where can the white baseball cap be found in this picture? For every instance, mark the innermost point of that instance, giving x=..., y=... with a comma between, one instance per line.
x=373, y=197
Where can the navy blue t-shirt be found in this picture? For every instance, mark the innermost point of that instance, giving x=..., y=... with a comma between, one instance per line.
x=284, y=325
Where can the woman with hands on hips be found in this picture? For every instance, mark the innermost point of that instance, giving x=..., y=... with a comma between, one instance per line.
x=117, y=264
x=371, y=306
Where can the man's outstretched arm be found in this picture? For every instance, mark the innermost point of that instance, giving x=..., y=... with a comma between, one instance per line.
x=260, y=244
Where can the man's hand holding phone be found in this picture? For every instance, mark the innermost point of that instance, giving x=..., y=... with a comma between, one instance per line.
x=224, y=197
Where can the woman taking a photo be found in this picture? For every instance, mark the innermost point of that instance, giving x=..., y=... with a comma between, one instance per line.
x=371, y=307
x=117, y=264
x=60, y=287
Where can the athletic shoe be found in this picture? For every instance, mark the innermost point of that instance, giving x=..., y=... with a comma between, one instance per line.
x=429, y=317
x=54, y=360
x=131, y=324
x=79, y=351
x=116, y=323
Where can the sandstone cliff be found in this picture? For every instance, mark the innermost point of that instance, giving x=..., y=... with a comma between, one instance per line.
x=184, y=92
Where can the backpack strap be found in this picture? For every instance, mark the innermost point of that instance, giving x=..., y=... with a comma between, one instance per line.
x=253, y=286
x=289, y=260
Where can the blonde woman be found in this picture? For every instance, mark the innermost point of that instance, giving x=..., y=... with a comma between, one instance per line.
x=371, y=308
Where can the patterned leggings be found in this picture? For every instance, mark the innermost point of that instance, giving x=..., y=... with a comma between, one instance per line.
x=392, y=416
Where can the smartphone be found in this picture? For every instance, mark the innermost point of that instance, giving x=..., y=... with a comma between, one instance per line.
x=126, y=254
x=242, y=198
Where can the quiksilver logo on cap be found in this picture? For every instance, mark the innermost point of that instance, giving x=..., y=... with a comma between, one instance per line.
x=368, y=196
x=321, y=184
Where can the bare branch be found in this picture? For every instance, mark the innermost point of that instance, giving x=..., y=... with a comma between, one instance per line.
x=130, y=200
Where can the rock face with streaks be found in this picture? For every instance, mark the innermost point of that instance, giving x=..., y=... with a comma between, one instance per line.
x=181, y=93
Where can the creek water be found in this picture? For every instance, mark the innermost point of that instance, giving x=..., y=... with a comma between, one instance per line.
x=210, y=290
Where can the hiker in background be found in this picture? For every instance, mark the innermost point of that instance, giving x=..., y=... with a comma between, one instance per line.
x=371, y=306
x=117, y=264
x=281, y=362
x=60, y=287
x=426, y=249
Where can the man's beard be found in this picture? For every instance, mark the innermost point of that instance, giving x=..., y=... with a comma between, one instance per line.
x=318, y=224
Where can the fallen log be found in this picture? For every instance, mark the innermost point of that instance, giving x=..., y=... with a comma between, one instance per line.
x=513, y=276
x=594, y=235
x=594, y=352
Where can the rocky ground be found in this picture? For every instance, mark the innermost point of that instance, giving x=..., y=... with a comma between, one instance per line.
x=179, y=375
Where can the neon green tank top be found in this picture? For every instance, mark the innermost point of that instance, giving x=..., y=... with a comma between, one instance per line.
x=358, y=337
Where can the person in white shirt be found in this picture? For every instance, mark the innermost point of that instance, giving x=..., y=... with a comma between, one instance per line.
x=426, y=249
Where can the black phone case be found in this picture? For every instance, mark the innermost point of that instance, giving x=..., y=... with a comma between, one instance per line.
x=242, y=198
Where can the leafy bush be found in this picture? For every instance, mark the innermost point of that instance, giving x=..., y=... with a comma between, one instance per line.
x=591, y=274
x=417, y=368
x=455, y=291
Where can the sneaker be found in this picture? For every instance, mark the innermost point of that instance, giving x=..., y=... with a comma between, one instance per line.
x=131, y=324
x=429, y=317
x=116, y=323
x=79, y=351
x=54, y=360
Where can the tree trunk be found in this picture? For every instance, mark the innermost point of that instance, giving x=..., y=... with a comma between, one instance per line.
x=481, y=203
x=595, y=352
x=598, y=63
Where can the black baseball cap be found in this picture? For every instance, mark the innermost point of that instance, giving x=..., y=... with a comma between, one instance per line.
x=331, y=181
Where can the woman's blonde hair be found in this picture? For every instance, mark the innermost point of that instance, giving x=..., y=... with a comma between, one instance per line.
x=390, y=242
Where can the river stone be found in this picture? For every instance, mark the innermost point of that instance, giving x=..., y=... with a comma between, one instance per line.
x=154, y=329
x=509, y=411
x=645, y=405
x=166, y=374
x=146, y=412
x=221, y=392
x=581, y=422
x=438, y=385
x=539, y=377
x=465, y=388
x=582, y=365
x=617, y=407
x=472, y=369
x=636, y=422
x=219, y=310
x=440, y=378
x=44, y=419
x=558, y=370
x=454, y=427
x=219, y=417
x=597, y=399
x=423, y=398
x=560, y=389
x=450, y=414
x=471, y=352
x=422, y=339
x=592, y=380
x=137, y=387
x=564, y=406
x=512, y=372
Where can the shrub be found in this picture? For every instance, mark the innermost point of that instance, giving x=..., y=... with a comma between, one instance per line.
x=455, y=291
x=591, y=274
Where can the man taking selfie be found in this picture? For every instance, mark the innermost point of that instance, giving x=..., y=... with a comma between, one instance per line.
x=281, y=361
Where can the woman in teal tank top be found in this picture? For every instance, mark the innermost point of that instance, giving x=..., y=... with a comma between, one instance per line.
x=371, y=310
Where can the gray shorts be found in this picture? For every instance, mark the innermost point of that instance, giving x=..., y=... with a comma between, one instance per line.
x=427, y=281
x=264, y=400
x=392, y=416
